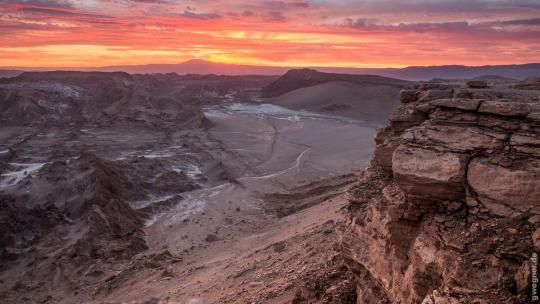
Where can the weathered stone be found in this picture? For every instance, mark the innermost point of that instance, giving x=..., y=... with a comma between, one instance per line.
x=498, y=122
x=471, y=201
x=535, y=219
x=453, y=116
x=534, y=107
x=528, y=143
x=501, y=189
x=457, y=103
x=446, y=229
x=386, y=144
x=534, y=116
x=405, y=117
x=476, y=94
x=424, y=172
x=504, y=108
x=463, y=93
x=456, y=138
x=521, y=139
x=430, y=95
x=407, y=96
x=425, y=107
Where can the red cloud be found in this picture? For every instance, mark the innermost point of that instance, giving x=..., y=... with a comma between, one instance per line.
x=336, y=33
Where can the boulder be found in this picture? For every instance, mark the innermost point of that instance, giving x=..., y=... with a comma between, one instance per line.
x=426, y=173
x=405, y=117
x=503, y=190
x=407, y=96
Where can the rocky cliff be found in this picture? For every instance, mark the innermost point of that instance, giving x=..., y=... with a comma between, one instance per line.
x=448, y=208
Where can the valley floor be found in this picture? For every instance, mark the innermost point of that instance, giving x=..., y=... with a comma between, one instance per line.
x=242, y=212
x=269, y=263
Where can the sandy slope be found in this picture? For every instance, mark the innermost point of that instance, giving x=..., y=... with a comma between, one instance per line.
x=256, y=259
x=372, y=103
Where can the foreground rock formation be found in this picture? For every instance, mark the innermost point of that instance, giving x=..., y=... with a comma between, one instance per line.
x=447, y=209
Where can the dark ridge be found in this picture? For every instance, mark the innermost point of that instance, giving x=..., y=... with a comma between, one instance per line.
x=493, y=78
x=10, y=73
x=301, y=78
x=68, y=75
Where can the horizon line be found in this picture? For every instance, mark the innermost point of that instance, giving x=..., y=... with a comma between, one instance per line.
x=205, y=61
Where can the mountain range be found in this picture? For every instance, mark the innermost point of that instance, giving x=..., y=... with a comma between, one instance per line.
x=414, y=73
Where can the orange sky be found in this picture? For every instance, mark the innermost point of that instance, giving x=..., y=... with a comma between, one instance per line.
x=339, y=33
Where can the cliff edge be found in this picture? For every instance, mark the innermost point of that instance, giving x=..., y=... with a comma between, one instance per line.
x=449, y=208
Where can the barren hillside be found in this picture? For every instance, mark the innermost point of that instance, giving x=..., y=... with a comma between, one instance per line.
x=365, y=97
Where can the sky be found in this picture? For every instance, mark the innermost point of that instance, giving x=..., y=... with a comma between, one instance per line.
x=336, y=33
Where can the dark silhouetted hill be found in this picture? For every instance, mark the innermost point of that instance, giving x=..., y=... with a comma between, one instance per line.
x=301, y=78
x=414, y=73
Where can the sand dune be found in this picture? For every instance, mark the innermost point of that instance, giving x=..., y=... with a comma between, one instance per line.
x=372, y=103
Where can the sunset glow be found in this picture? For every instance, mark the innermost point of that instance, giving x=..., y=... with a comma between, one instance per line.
x=339, y=33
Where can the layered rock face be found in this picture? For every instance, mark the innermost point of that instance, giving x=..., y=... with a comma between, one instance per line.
x=447, y=209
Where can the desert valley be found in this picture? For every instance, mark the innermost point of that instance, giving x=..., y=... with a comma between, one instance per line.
x=250, y=189
x=269, y=151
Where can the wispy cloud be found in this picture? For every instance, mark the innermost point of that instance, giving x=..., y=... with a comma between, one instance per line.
x=292, y=32
x=61, y=12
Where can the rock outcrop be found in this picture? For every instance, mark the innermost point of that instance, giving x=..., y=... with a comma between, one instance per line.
x=83, y=222
x=447, y=210
x=531, y=83
x=64, y=98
